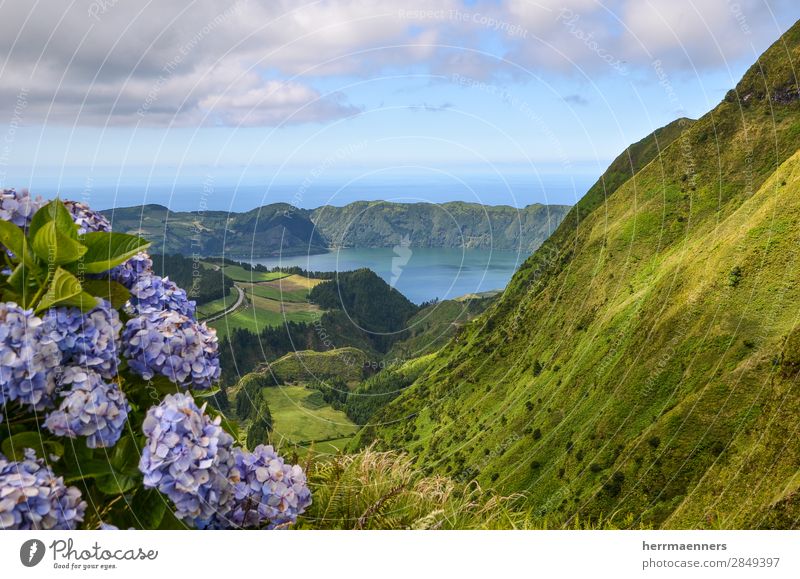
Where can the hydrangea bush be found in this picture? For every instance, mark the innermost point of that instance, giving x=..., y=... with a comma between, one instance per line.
x=99, y=358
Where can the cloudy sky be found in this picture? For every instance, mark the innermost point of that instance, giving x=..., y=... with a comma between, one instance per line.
x=279, y=97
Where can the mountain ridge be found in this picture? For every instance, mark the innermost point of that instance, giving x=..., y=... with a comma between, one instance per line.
x=281, y=229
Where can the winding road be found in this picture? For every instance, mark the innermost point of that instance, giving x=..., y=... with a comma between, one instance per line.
x=231, y=309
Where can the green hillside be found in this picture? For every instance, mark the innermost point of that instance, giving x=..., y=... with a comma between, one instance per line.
x=347, y=364
x=277, y=229
x=434, y=325
x=280, y=229
x=454, y=224
x=637, y=366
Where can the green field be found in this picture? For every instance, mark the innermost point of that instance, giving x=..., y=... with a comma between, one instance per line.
x=301, y=416
x=216, y=306
x=238, y=273
x=255, y=318
x=276, y=299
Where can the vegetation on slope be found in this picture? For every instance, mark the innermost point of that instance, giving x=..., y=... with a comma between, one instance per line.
x=350, y=365
x=633, y=365
x=277, y=229
x=453, y=224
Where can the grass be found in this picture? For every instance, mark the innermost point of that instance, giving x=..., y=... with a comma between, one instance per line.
x=299, y=417
x=307, y=365
x=264, y=307
x=216, y=306
x=292, y=288
x=238, y=273
x=254, y=319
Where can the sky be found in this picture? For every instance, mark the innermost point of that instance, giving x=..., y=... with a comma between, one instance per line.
x=230, y=105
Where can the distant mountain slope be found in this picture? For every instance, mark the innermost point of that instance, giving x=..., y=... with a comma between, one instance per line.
x=455, y=224
x=642, y=364
x=267, y=231
x=282, y=229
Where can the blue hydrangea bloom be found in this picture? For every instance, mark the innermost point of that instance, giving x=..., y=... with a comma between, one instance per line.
x=86, y=219
x=29, y=358
x=90, y=408
x=129, y=272
x=32, y=497
x=19, y=207
x=154, y=293
x=268, y=490
x=172, y=345
x=188, y=457
x=89, y=340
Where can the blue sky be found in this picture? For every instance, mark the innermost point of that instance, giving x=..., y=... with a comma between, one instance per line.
x=499, y=102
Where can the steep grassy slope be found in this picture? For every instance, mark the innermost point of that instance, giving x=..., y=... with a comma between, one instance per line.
x=434, y=325
x=637, y=365
x=454, y=224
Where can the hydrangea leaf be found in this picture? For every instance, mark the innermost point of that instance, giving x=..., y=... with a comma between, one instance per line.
x=14, y=446
x=116, y=293
x=63, y=288
x=115, y=484
x=53, y=246
x=107, y=250
x=54, y=212
x=13, y=238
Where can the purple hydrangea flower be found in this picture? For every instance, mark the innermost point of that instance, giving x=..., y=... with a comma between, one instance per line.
x=154, y=293
x=129, y=272
x=172, y=345
x=188, y=457
x=86, y=219
x=32, y=497
x=28, y=358
x=89, y=340
x=91, y=408
x=268, y=490
x=19, y=207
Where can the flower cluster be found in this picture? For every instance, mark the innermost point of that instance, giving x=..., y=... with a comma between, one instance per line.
x=89, y=340
x=268, y=490
x=18, y=207
x=34, y=498
x=154, y=293
x=188, y=457
x=29, y=358
x=86, y=219
x=129, y=272
x=91, y=408
x=170, y=344
x=192, y=460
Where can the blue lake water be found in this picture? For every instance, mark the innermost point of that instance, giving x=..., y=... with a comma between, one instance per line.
x=421, y=274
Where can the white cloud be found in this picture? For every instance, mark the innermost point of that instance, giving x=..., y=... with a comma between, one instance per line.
x=266, y=61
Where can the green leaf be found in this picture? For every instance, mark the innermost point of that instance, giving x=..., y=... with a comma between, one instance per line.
x=114, y=292
x=86, y=469
x=83, y=301
x=64, y=288
x=54, y=247
x=149, y=507
x=20, y=279
x=115, y=484
x=54, y=212
x=12, y=237
x=14, y=446
x=107, y=250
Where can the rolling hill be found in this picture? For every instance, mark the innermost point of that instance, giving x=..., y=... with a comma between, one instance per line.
x=641, y=365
